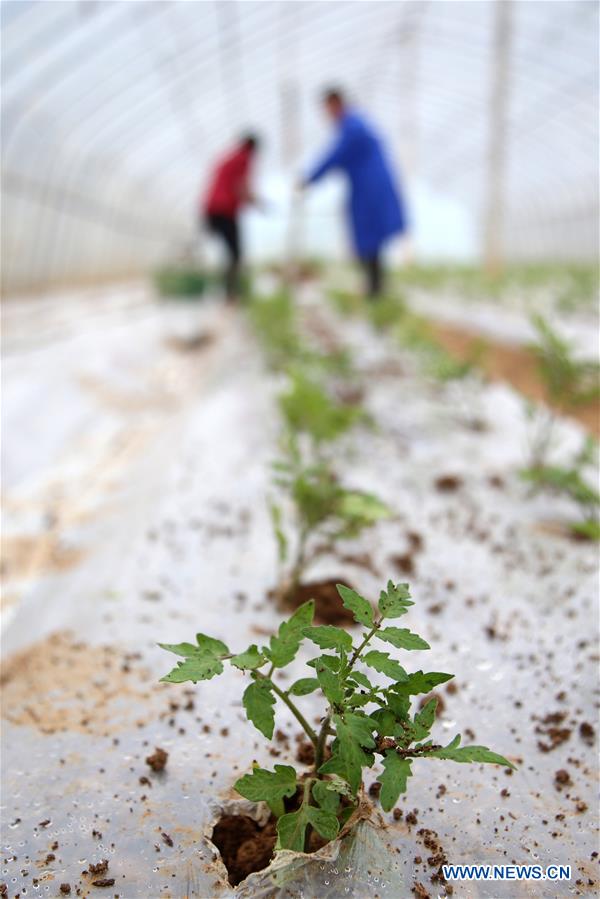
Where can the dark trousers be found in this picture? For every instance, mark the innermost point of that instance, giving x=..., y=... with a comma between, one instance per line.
x=227, y=229
x=374, y=275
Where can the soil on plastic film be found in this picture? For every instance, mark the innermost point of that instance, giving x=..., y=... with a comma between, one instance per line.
x=517, y=365
x=329, y=608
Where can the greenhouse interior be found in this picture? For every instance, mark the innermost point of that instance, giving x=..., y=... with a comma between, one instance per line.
x=300, y=337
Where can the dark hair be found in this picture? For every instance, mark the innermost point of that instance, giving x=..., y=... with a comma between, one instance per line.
x=250, y=141
x=334, y=93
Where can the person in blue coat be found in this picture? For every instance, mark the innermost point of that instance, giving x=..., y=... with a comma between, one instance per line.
x=375, y=207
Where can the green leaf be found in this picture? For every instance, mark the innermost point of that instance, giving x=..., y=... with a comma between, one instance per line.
x=194, y=668
x=402, y=638
x=331, y=662
x=399, y=704
x=361, y=728
x=331, y=685
x=393, y=780
x=209, y=644
x=329, y=637
x=267, y=786
x=381, y=661
x=361, y=679
x=258, y=700
x=325, y=798
x=455, y=753
x=304, y=686
x=353, y=756
x=394, y=601
x=385, y=721
x=323, y=821
x=357, y=604
x=285, y=645
x=421, y=683
x=201, y=662
x=291, y=830
x=180, y=649
x=250, y=659
x=423, y=721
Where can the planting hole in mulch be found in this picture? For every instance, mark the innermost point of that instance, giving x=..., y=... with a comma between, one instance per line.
x=247, y=847
x=329, y=608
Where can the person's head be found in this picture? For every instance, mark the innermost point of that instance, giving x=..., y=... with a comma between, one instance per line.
x=334, y=102
x=250, y=142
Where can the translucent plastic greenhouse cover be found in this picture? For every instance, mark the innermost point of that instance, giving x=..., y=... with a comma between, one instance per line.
x=112, y=112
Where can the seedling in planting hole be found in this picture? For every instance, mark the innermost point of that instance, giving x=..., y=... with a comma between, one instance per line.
x=275, y=322
x=363, y=722
x=307, y=408
x=323, y=510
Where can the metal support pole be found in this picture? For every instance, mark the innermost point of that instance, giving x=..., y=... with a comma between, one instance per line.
x=498, y=133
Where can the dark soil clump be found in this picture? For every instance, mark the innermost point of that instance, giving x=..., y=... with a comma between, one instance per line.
x=158, y=759
x=328, y=604
x=448, y=483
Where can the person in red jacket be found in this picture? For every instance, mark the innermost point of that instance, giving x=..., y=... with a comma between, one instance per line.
x=228, y=191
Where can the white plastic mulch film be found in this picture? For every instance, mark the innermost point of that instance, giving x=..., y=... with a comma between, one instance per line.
x=112, y=111
x=166, y=531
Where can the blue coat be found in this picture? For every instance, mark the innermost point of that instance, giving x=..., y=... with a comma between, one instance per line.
x=375, y=207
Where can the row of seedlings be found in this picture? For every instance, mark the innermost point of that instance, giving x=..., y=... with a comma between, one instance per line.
x=367, y=714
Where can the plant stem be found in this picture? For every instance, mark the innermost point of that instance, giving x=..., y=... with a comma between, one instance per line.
x=358, y=651
x=320, y=747
x=299, y=563
x=295, y=711
x=308, y=800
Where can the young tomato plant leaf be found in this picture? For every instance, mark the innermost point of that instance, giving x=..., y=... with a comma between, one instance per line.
x=180, y=649
x=291, y=828
x=283, y=647
x=385, y=721
x=323, y=821
x=421, y=683
x=325, y=798
x=395, y=601
x=194, y=668
x=361, y=727
x=304, y=686
x=393, y=780
x=456, y=753
x=381, y=661
x=329, y=637
x=247, y=661
x=401, y=638
x=201, y=662
x=361, y=679
x=267, y=786
x=352, y=755
x=423, y=721
x=331, y=684
x=209, y=644
x=357, y=604
x=258, y=700
x=331, y=662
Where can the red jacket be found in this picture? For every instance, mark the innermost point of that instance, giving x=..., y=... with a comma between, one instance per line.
x=228, y=185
